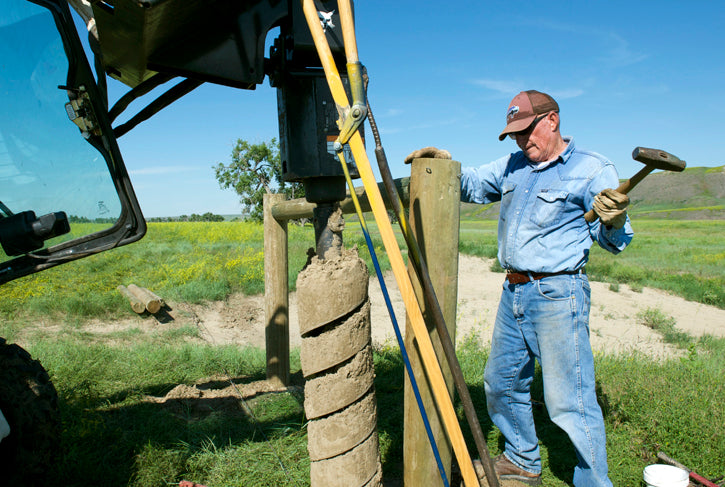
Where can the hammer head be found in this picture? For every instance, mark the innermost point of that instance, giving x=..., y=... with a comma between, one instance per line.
x=658, y=159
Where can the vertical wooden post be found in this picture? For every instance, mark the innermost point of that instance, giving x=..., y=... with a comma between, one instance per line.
x=435, y=188
x=276, y=294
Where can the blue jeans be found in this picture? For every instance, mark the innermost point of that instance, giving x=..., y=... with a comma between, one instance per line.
x=547, y=320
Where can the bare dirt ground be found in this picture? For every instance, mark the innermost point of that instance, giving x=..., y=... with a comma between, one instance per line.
x=615, y=326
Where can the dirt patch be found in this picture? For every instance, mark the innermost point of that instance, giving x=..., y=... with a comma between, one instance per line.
x=614, y=325
x=239, y=319
x=216, y=395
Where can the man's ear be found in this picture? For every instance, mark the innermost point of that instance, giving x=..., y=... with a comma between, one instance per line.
x=554, y=120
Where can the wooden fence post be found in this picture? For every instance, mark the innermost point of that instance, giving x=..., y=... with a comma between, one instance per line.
x=435, y=188
x=276, y=294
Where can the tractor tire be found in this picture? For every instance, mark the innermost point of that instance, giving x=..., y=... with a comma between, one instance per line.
x=29, y=403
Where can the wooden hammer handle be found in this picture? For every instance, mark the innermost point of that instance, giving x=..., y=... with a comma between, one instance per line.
x=624, y=188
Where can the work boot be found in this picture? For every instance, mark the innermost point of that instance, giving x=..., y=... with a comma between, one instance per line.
x=506, y=470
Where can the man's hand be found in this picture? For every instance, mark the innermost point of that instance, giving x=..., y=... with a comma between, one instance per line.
x=611, y=207
x=430, y=152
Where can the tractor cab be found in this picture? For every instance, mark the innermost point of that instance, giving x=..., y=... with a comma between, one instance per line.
x=64, y=191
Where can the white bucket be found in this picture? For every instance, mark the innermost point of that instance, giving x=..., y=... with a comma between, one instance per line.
x=659, y=475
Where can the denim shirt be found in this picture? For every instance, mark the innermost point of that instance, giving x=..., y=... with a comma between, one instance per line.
x=541, y=225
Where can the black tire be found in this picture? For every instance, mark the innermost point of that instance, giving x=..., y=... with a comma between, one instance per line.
x=29, y=403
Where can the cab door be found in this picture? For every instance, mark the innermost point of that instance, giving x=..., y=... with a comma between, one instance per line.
x=64, y=190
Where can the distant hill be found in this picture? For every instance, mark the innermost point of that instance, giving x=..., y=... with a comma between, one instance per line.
x=697, y=193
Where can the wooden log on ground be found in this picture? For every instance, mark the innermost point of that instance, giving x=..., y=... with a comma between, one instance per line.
x=151, y=302
x=155, y=296
x=136, y=304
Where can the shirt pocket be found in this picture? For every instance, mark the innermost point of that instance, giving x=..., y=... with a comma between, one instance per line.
x=548, y=207
x=507, y=194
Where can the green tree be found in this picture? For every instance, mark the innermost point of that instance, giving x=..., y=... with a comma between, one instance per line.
x=255, y=169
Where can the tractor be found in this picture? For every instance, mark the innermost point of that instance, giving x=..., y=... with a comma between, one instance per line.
x=60, y=162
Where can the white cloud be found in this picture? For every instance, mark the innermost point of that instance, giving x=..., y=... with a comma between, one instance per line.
x=392, y=112
x=618, y=52
x=614, y=50
x=505, y=87
x=566, y=93
x=511, y=88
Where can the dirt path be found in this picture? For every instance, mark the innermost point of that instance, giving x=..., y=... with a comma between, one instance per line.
x=614, y=325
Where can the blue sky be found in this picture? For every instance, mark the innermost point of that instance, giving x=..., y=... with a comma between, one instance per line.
x=625, y=74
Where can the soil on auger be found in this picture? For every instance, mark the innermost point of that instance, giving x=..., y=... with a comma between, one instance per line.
x=29, y=403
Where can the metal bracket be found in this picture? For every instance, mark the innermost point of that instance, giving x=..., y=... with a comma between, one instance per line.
x=80, y=111
x=352, y=117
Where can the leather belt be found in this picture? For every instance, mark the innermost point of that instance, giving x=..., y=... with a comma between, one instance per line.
x=524, y=277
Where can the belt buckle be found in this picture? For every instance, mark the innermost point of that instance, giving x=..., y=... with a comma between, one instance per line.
x=517, y=278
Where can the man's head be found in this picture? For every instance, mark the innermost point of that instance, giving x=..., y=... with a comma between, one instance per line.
x=532, y=120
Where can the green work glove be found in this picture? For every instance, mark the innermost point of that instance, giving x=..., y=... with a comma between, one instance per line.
x=429, y=152
x=611, y=207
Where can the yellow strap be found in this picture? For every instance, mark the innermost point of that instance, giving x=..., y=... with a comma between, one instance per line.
x=427, y=353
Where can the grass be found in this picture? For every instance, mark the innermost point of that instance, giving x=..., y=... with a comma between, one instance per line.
x=669, y=406
x=686, y=258
x=198, y=261
x=113, y=435
x=665, y=326
x=191, y=262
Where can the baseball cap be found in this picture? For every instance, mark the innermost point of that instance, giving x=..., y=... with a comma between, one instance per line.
x=524, y=108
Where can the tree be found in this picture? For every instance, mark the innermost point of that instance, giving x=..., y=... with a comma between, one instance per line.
x=255, y=169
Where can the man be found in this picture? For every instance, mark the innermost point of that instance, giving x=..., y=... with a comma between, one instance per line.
x=543, y=243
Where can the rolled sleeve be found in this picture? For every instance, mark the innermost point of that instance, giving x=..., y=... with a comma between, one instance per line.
x=612, y=239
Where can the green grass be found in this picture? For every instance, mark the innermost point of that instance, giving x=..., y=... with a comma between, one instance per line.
x=665, y=326
x=191, y=262
x=112, y=435
x=196, y=262
x=686, y=258
x=671, y=406
x=478, y=238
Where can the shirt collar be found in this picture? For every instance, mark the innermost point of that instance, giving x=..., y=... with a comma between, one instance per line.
x=564, y=156
x=569, y=148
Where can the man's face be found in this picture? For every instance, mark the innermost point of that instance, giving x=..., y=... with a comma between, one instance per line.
x=540, y=141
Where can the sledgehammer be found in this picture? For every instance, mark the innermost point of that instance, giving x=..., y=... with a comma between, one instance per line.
x=652, y=159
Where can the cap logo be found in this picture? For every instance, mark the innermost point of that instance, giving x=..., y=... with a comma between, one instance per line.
x=512, y=113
